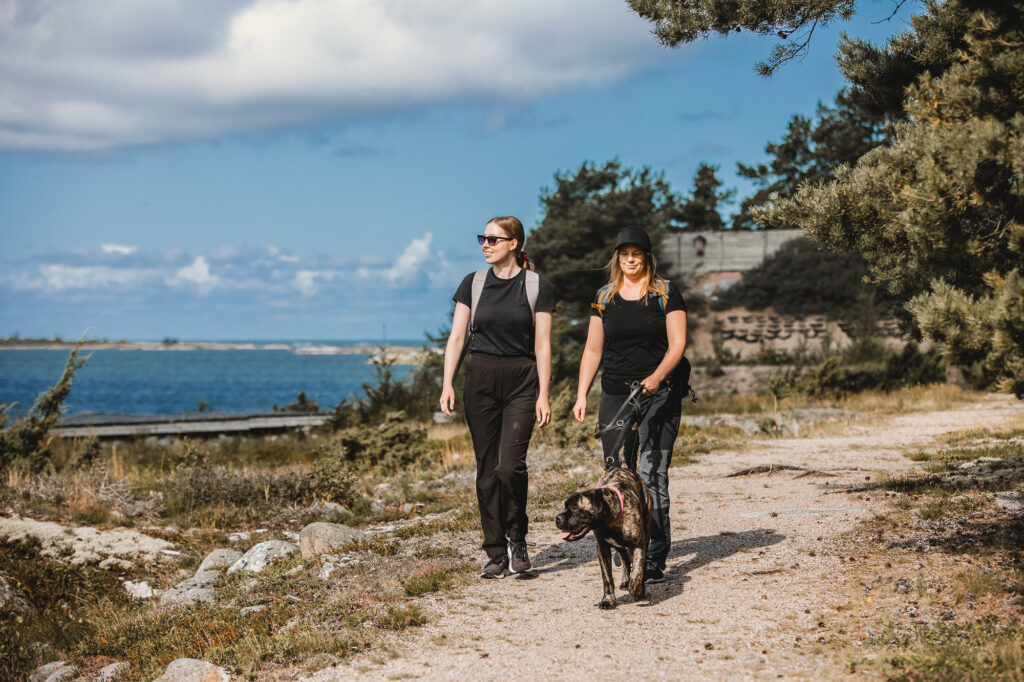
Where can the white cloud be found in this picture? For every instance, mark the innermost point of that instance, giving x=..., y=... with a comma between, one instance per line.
x=197, y=273
x=59, y=277
x=305, y=280
x=118, y=249
x=83, y=74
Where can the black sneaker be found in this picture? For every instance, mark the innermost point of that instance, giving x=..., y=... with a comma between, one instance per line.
x=653, y=574
x=520, y=560
x=497, y=567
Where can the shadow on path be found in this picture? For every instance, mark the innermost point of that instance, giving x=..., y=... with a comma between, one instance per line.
x=707, y=549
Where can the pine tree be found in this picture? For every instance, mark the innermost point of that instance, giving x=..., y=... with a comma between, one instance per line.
x=939, y=211
x=700, y=211
x=684, y=21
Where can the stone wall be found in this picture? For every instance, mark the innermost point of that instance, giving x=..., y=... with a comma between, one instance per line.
x=692, y=257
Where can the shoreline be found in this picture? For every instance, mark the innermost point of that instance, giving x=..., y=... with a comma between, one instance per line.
x=310, y=348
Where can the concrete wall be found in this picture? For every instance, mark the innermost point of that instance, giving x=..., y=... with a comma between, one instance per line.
x=686, y=260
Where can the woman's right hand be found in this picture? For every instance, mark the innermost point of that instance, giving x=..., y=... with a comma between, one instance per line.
x=447, y=400
x=579, y=410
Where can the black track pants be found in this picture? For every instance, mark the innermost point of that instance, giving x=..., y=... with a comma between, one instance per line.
x=649, y=452
x=500, y=400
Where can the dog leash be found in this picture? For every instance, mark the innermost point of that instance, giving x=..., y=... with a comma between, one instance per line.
x=622, y=503
x=619, y=422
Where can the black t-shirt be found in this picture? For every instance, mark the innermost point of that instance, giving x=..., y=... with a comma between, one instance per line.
x=635, y=338
x=503, y=324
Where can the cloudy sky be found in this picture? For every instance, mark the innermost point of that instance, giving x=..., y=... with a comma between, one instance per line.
x=317, y=169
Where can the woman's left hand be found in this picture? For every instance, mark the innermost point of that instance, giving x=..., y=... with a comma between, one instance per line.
x=651, y=384
x=543, y=412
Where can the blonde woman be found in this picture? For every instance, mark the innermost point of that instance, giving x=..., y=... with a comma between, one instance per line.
x=508, y=309
x=638, y=332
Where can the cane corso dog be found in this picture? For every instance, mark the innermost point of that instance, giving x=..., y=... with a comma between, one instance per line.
x=618, y=511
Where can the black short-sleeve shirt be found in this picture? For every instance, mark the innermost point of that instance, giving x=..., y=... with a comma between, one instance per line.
x=503, y=324
x=635, y=338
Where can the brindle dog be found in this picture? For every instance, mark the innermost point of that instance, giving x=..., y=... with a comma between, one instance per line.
x=622, y=521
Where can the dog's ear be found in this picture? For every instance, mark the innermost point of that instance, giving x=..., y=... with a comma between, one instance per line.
x=597, y=502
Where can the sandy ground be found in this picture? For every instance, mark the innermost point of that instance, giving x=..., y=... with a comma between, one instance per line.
x=748, y=572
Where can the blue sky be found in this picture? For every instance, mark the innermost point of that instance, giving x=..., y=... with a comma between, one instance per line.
x=317, y=169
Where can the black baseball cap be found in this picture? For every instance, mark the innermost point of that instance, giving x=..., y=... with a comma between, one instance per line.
x=633, y=235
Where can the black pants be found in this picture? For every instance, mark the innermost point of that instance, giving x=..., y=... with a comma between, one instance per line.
x=500, y=400
x=648, y=451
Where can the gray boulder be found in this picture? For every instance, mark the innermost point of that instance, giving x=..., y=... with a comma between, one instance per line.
x=138, y=590
x=219, y=558
x=262, y=555
x=326, y=538
x=58, y=671
x=13, y=598
x=197, y=588
x=110, y=672
x=192, y=670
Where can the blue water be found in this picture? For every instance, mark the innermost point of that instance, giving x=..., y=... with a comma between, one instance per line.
x=169, y=382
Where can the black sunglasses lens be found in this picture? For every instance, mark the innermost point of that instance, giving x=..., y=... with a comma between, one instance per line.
x=491, y=241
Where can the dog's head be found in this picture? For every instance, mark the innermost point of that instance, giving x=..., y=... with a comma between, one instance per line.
x=583, y=511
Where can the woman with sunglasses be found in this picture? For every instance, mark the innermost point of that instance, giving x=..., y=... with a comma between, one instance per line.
x=638, y=330
x=507, y=376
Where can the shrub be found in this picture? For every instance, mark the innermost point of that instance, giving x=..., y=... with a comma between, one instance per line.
x=25, y=442
x=333, y=477
x=837, y=376
x=392, y=445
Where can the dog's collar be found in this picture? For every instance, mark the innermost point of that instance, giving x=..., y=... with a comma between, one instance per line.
x=622, y=503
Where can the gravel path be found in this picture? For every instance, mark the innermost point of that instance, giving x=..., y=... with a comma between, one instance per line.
x=746, y=576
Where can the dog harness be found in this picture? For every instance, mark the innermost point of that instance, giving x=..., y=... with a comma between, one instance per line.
x=622, y=502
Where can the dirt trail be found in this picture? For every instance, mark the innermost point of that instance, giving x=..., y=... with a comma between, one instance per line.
x=742, y=583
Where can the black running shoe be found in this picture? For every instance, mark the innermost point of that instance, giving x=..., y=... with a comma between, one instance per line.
x=653, y=574
x=497, y=567
x=520, y=562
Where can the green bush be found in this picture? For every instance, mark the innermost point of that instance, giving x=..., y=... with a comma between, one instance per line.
x=196, y=487
x=837, y=376
x=391, y=446
x=333, y=477
x=25, y=442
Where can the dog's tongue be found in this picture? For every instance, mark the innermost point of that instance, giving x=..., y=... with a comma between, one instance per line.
x=564, y=536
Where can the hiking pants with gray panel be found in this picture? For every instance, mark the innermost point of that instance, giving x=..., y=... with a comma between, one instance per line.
x=649, y=452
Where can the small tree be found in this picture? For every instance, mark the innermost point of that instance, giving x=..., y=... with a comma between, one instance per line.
x=26, y=440
x=699, y=211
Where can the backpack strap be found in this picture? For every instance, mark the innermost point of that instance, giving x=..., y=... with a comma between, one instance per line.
x=532, y=284
x=660, y=288
x=604, y=294
x=479, y=277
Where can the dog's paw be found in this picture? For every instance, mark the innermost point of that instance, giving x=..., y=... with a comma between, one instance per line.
x=639, y=594
x=607, y=603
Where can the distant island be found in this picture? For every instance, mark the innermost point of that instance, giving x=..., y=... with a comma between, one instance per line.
x=404, y=354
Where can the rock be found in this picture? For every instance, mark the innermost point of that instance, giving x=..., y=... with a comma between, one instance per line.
x=191, y=670
x=116, y=564
x=333, y=563
x=331, y=510
x=13, y=598
x=138, y=590
x=1012, y=500
x=240, y=536
x=252, y=609
x=292, y=536
x=262, y=555
x=219, y=558
x=83, y=545
x=57, y=671
x=377, y=506
x=325, y=538
x=110, y=672
x=197, y=588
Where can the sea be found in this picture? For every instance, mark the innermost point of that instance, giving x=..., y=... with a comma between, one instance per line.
x=252, y=378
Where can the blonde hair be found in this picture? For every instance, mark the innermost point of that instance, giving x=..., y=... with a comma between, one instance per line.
x=511, y=226
x=615, y=275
